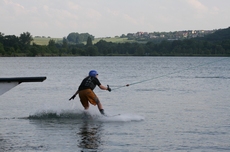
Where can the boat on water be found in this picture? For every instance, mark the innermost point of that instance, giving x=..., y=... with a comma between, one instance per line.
x=8, y=83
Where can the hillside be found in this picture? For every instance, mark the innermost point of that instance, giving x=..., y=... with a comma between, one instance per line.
x=215, y=44
x=219, y=35
x=45, y=41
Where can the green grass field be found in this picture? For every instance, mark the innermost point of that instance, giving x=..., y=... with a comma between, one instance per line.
x=45, y=41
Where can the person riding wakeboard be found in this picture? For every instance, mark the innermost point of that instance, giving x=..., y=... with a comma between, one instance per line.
x=86, y=94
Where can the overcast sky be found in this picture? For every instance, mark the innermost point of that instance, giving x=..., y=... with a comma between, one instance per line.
x=109, y=18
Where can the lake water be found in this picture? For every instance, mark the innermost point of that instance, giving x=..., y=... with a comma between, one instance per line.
x=171, y=104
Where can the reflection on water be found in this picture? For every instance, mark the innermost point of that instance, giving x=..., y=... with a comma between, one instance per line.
x=3, y=144
x=84, y=131
x=90, y=135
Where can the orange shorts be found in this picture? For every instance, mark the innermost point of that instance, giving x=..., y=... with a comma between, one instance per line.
x=87, y=96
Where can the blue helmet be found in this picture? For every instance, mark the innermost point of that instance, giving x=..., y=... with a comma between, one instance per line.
x=93, y=73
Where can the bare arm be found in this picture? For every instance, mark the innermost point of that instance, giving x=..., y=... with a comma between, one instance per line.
x=105, y=88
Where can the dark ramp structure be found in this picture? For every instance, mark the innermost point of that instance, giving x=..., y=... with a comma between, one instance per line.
x=8, y=83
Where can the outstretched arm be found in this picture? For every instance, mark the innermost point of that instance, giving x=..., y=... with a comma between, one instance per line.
x=74, y=95
x=105, y=88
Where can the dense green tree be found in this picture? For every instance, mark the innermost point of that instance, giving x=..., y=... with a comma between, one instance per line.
x=51, y=43
x=219, y=50
x=79, y=38
x=65, y=43
x=89, y=41
x=10, y=51
x=11, y=40
x=26, y=38
x=34, y=51
x=91, y=51
x=103, y=47
x=72, y=37
x=226, y=44
x=1, y=37
x=52, y=47
x=140, y=51
x=2, y=50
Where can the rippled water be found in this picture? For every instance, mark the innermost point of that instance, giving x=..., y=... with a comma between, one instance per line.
x=171, y=104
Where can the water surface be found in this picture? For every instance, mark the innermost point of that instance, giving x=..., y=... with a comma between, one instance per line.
x=172, y=104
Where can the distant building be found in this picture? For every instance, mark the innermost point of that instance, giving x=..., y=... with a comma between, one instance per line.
x=177, y=35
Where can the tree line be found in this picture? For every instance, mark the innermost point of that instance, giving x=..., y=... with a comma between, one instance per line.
x=216, y=44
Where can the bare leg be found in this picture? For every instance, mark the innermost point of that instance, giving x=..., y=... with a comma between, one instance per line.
x=99, y=105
